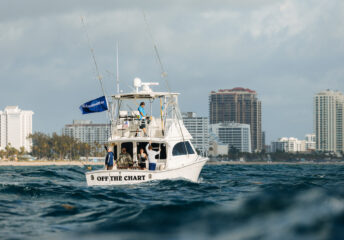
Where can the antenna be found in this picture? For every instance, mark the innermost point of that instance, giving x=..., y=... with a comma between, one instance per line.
x=117, y=68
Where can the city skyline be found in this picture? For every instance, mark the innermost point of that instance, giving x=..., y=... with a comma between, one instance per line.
x=287, y=51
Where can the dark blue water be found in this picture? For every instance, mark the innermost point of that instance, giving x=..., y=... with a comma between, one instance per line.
x=229, y=202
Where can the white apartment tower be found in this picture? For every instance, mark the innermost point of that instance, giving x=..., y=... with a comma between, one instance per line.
x=198, y=127
x=310, y=142
x=15, y=127
x=328, y=121
x=236, y=135
x=87, y=132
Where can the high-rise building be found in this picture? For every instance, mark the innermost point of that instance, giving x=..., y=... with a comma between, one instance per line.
x=263, y=140
x=239, y=105
x=88, y=132
x=328, y=121
x=15, y=127
x=198, y=127
x=290, y=144
x=233, y=134
x=310, y=142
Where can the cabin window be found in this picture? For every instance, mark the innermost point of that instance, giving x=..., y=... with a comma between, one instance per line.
x=128, y=146
x=114, y=150
x=162, y=147
x=156, y=147
x=141, y=145
x=182, y=148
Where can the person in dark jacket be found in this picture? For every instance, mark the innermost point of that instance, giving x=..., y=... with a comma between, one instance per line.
x=109, y=159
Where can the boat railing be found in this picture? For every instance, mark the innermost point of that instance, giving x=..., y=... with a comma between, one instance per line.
x=130, y=126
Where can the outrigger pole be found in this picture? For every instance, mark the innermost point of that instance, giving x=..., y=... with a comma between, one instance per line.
x=117, y=68
x=163, y=72
x=97, y=70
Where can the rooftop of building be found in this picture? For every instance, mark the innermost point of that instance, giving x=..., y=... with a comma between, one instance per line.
x=85, y=123
x=15, y=110
x=329, y=92
x=286, y=139
x=230, y=124
x=88, y=125
x=186, y=115
x=234, y=90
x=189, y=114
x=11, y=107
x=82, y=122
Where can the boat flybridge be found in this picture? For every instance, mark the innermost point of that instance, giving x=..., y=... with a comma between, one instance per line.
x=164, y=130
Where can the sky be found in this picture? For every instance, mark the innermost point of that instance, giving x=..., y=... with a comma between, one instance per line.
x=286, y=51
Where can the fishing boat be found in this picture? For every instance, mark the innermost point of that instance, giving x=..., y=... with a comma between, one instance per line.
x=164, y=131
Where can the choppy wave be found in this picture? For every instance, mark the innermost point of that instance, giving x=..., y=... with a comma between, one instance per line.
x=229, y=202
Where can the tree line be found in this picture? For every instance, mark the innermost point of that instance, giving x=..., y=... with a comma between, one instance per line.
x=54, y=146
x=281, y=156
x=12, y=153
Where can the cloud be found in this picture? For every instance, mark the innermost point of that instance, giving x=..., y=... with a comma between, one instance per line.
x=285, y=50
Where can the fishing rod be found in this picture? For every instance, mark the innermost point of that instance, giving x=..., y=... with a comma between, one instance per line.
x=163, y=72
x=117, y=68
x=164, y=76
x=93, y=56
x=97, y=71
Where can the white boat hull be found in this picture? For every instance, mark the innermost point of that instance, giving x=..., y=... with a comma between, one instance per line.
x=189, y=172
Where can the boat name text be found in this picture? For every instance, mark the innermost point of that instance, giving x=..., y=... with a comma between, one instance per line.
x=121, y=178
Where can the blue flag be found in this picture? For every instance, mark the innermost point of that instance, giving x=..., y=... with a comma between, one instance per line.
x=96, y=105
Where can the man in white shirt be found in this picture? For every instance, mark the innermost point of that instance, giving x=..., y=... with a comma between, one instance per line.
x=151, y=156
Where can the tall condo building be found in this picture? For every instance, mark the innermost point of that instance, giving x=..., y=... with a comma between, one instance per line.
x=198, y=127
x=234, y=134
x=239, y=105
x=15, y=127
x=328, y=121
x=88, y=132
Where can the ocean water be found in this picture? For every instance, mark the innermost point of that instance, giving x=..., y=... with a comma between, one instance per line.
x=228, y=202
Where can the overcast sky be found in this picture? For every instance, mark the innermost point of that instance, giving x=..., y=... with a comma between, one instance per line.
x=285, y=50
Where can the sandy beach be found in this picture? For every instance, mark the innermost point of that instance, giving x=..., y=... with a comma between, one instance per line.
x=48, y=163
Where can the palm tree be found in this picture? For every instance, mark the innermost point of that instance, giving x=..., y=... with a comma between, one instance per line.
x=2, y=154
x=11, y=152
x=22, y=151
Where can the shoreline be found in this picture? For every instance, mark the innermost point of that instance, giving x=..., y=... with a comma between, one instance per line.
x=48, y=163
x=86, y=163
x=272, y=163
